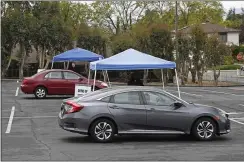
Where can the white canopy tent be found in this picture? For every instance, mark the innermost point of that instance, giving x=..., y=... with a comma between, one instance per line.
x=133, y=60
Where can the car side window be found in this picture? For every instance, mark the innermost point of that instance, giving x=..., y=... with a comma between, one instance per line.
x=157, y=99
x=106, y=99
x=127, y=98
x=70, y=75
x=54, y=75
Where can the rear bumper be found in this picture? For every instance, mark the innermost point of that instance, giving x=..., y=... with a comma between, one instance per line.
x=71, y=124
x=27, y=89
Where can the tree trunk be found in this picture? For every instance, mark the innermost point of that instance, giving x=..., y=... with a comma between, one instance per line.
x=193, y=75
x=145, y=75
x=8, y=65
x=199, y=76
x=48, y=59
x=216, y=76
x=42, y=58
x=21, y=67
x=186, y=73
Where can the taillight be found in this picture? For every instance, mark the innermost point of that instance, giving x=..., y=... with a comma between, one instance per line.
x=24, y=81
x=72, y=107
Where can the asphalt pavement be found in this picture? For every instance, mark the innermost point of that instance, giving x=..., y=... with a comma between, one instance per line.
x=34, y=133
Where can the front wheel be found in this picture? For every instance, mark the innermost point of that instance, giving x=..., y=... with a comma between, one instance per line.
x=40, y=92
x=204, y=129
x=102, y=130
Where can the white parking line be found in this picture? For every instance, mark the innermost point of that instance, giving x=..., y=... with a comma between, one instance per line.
x=190, y=94
x=238, y=118
x=237, y=121
x=234, y=113
x=220, y=92
x=241, y=105
x=31, y=117
x=17, y=91
x=10, y=120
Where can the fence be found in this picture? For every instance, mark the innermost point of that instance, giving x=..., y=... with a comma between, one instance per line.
x=225, y=76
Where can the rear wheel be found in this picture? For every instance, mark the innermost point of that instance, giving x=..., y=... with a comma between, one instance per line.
x=40, y=92
x=102, y=130
x=204, y=129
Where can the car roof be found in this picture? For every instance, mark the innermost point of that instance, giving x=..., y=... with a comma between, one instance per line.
x=48, y=70
x=118, y=89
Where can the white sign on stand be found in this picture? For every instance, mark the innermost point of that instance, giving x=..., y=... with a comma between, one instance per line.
x=81, y=89
x=39, y=70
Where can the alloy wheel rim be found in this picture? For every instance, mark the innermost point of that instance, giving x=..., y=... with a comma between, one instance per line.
x=40, y=92
x=103, y=131
x=205, y=129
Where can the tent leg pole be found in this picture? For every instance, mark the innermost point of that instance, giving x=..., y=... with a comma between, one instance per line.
x=88, y=78
x=108, y=79
x=162, y=74
x=177, y=82
x=52, y=65
x=64, y=65
x=67, y=65
x=104, y=76
x=95, y=75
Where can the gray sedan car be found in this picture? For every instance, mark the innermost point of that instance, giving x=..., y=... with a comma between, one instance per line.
x=138, y=110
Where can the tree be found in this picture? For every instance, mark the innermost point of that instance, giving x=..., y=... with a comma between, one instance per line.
x=51, y=35
x=117, y=16
x=184, y=49
x=215, y=52
x=198, y=40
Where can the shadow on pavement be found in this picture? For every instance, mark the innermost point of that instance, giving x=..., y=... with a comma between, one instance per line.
x=47, y=98
x=145, y=138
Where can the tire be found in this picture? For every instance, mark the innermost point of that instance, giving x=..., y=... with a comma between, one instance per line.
x=204, y=129
x=40, y=92
x=97, y=131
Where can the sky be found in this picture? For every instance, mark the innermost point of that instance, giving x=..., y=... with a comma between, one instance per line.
x=231, y=4
x=226, y=4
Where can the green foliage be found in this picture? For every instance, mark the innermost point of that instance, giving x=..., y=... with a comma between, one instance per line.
x=228, y=67
x=228, y=60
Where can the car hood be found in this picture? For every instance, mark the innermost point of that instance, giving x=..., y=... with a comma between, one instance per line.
x=208, y=107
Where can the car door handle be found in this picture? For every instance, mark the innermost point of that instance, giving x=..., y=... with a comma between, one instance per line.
x=114, y=107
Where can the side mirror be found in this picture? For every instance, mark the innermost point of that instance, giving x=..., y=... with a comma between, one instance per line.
x=177, y=105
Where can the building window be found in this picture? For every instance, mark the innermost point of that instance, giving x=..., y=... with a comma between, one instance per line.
x=223, y=37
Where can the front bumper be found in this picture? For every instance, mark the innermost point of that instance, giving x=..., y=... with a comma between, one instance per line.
x=225, y=127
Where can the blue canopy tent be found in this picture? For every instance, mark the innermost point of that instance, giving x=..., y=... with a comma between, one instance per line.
x=76, y=54
x=133, y=60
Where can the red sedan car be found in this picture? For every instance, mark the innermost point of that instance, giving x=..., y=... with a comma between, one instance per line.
x=56, y=82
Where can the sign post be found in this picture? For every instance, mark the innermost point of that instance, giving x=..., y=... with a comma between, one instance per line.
x=81, y=89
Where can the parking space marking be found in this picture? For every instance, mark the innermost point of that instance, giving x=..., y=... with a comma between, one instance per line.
x=220, y=92
x=190, y=94
x=17, y=91
x=241, y=105
x=31, y=117
x=242, y=118
x=237, y=121
x=234, y=113
x=10, y=120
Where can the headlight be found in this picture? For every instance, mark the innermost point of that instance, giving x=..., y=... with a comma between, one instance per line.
x=223, y=114
x=104, y=84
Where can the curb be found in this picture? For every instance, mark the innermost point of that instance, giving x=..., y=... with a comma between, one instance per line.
x=239, y=85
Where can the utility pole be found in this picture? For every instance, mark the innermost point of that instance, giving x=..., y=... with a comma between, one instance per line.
x=176, y=33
